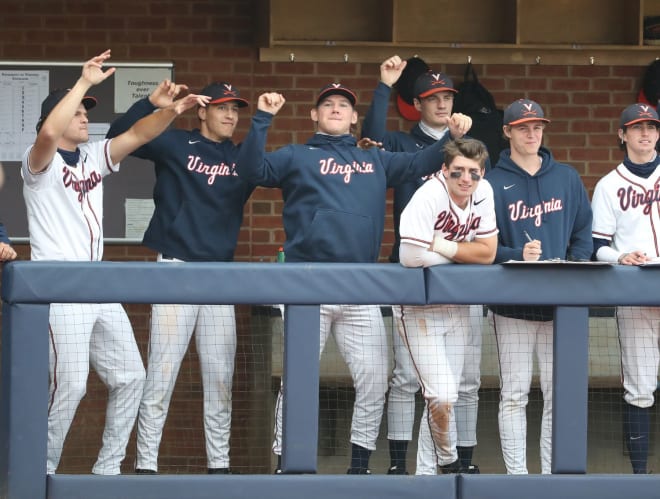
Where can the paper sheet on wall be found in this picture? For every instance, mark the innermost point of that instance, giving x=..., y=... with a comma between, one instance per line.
x=138, y=215
x=21, y=94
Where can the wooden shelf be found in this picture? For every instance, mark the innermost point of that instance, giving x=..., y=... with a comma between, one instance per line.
x=575, y=32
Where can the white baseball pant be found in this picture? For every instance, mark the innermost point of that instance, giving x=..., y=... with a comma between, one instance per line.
x=467, y=406
x=361, y=339
x=99, y=334
x=403, y=386
x=436, y=337
x=172, y=327
x=638, y=333
x=517, y=340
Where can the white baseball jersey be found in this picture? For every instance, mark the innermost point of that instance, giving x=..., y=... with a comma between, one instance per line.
x=625, y=211
x=65, y=205
x=432, y=202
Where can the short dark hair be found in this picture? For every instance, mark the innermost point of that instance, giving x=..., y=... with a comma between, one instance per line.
x=468, y=148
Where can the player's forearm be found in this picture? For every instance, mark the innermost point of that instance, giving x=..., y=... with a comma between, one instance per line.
x=374, y=124
x=412, y=255
x=250, y=163
x=477, y=252
x=138, y=110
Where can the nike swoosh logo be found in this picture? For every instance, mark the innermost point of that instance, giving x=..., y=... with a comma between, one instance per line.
x=636, y=438
x=480, y=201
x=507, y=187
x=193, y=141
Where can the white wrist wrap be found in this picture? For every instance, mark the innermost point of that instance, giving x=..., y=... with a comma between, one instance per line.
x=608, y=254
x=446, y=248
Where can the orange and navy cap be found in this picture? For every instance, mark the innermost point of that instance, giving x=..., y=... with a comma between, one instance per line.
x=430, y=83
x=522, y=111
x=636, y=113
x=223, y=92
x=54, y=98
x=336, y=89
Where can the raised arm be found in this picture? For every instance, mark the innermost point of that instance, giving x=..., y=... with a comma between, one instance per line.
x=251, y=164
x=58, y=120
x=374, y=124
x=151, y=126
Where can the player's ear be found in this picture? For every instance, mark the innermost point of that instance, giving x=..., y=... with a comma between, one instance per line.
x=201, y=113
x=418, y=104
x=314, y=115
x=354, y=117
x=506, y=130
x=620, y=132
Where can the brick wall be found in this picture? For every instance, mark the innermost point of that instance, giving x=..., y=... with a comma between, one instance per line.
x=216, y=40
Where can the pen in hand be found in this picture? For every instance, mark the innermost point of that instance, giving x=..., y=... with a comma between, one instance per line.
x=529, y=238
x=533, y=251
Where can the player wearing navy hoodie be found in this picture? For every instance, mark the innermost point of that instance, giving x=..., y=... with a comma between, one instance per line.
x=538, y=197
x=198, y=212
x=334, y=211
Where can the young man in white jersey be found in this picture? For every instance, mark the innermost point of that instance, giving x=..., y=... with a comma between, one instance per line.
x=624, y=231
x=63, y=190
x=450, y=218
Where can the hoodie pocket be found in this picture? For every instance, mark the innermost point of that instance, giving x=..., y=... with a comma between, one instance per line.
x=336, y=236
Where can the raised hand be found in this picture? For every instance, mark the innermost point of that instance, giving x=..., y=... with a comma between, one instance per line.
x=165, y=93
x=190, y=100
x=391, y=69
x=270, y=102
x=92, y=70
x=459, y=124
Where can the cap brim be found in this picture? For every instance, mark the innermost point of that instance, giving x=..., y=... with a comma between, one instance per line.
x=436, y=90
x=526, y=120
x=406, y=110
x=352, y=98
x=89, y=102
x=640, y=120
x=238, y=100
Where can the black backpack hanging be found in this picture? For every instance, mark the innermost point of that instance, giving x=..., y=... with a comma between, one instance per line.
x=475, y=101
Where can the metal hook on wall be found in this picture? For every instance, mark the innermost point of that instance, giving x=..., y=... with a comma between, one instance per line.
x=469, y=59
x=345, y=57
x=292, y=57
x=538, y=59
x=592, y=60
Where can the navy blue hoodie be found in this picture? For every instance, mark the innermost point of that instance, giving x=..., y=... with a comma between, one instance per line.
x=333, y=191
x=374, y=127
x=198, y=195
x=552, y=206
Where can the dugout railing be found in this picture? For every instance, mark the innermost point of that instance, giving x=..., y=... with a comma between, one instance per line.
x=29, y=287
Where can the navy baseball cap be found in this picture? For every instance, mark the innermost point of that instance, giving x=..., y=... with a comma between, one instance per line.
x=636, y=113
x=54, y=98
x=336, y=89
x=430, y=83
x=522, y=111
x=223, y=92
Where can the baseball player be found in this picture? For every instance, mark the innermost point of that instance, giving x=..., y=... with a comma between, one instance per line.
x=434, y=97
x=625, y=217
x=334, y=211
x=451, y=218
x=63, y=190
x=536, y=196
x=198, y=213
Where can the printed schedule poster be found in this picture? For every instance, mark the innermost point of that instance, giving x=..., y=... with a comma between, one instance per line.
x=21, y=94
